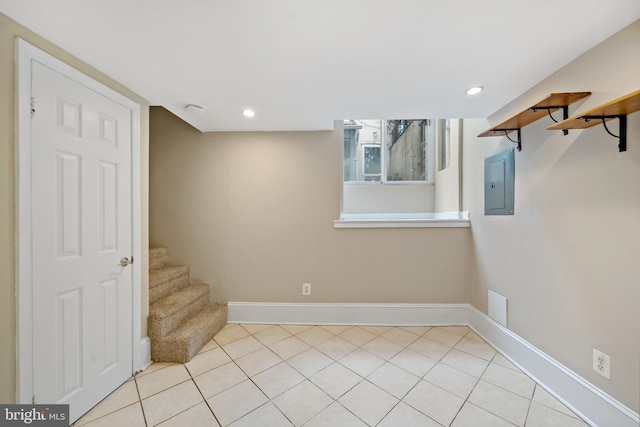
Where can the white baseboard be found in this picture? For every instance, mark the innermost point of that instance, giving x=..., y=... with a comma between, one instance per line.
x=348, y=314
x=145, y=354
x=579, y=395
x=582, y=397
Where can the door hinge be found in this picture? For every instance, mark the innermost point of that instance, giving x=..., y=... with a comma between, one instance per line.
x=33, y=106
x=33, y=399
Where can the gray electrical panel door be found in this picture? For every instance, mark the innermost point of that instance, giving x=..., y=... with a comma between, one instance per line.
x=499, y=176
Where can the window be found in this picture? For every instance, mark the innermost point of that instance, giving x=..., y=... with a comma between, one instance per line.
x=391, y=170
x=388, y=151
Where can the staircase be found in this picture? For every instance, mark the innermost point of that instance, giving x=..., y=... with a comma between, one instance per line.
x=181, y=318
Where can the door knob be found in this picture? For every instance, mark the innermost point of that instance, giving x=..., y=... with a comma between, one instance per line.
x=126, y=261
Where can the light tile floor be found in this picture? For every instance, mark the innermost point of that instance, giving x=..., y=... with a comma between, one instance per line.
x=337, y=376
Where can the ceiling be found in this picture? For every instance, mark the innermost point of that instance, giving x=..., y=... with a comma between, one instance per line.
x=302, y=64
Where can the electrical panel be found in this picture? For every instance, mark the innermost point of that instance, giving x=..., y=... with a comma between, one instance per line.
x=499, y=177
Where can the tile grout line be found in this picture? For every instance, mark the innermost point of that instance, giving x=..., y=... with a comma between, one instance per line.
x=526, y=418
x=203, y=397
x=474, y=386
x=144, y=415
x=75, y=424
x=466, y=400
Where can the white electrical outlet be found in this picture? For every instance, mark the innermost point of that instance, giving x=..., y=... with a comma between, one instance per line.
x=602, y=363
x=306, y=289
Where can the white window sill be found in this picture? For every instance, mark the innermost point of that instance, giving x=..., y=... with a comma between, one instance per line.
x=375, y=183
x=416, y=220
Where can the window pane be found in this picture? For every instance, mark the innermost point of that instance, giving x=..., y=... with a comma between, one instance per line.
x=406, y=142
x=372, y=160
x=443, y=143
x=362, y=150
x=350, y=154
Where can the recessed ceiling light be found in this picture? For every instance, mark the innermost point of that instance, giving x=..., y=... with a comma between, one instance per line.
x=248, y=113
x=475, y=90
x=195, y=109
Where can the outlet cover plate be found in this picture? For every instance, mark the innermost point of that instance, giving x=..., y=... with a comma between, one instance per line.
x=306, y=289
x=602, y=363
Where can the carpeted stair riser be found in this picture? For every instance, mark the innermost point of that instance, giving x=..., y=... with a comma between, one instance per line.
x=181, y=345
x=165, y=273
x=166, y=281
x=166, y=314
x=158, y=258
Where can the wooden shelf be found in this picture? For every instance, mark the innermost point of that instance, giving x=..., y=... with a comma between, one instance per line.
x=622, y=106
x=550, y=104
x=616, y=109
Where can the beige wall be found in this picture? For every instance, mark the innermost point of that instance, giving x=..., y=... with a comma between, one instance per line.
x=252, y=214
x=567, y=260
x=9, y=30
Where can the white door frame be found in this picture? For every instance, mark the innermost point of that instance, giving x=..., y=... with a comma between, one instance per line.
x=25, y=54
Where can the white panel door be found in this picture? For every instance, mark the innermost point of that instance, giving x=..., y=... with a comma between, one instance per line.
x=81, y=228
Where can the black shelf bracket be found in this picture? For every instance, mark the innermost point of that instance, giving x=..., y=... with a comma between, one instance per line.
x=518, y=140
x=622, y=143
x=565, y=114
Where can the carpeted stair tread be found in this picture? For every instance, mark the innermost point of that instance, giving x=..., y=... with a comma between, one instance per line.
x=170, y=304
x=183, y=343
